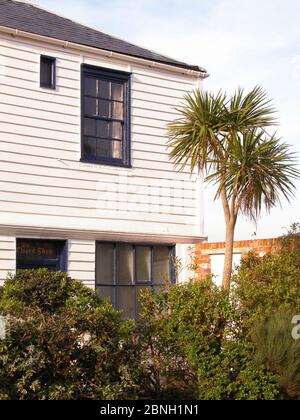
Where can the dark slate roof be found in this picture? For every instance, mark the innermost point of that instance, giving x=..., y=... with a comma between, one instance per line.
x=30, y=18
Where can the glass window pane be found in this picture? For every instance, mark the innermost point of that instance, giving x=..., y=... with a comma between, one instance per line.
x=89, y=127
x=91, y=106
x=143, y=264
x=125, y=301
x=104, y=148
x=117, y=151
x=161, y=265
x=105, y=292
x=109, y=149
x=103, y=129
x=47, y=68
x=90, y=86
x=124, y=264
x=90, y=147
x=117, y=91
x=36, y=250
x=116, y=130
x=117, y=110
x=104, y=109
x=104, y=89
x=32, y=254
x=104, y=263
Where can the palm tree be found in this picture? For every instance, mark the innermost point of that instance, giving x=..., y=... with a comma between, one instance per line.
x=226, y=140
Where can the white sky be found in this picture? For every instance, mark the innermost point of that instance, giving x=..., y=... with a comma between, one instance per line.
x=240, y=42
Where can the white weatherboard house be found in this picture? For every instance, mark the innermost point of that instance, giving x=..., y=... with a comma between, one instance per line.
x=86, y=185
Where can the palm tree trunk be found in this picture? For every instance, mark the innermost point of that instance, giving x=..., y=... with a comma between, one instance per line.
x=230, y=226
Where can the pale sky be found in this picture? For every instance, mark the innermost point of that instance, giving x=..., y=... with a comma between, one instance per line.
x=240, y=43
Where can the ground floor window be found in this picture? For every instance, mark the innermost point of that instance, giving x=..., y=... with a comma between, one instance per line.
x=123, y=270
x=40, y=253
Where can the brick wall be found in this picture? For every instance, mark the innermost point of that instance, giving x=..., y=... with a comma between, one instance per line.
x=205, y=250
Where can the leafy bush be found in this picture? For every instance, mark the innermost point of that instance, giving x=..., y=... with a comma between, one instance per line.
x=267, y=291
x=232, y=374
x=189, y=335
x=276, y=348
x=264, y=284
x=62, y=342
x=176, y=325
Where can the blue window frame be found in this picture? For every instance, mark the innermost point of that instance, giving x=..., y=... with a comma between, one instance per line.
x=40, y=253
x=105, y=113
x=48, y=72
x=124, y=269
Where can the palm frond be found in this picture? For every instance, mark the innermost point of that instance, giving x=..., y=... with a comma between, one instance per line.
x=193, y=138
x=261, y=170
x=227, y=138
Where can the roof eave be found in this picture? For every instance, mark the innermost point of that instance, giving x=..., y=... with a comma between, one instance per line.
x=177, y=68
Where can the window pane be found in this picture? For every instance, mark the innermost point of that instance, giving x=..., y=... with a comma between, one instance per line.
x=125, y=301
x=91, y=106
x=89, y=127
x=104, y=148
x=161, y=265
x=103, y=129
x=117, y=152
x=36, y=250
x=109, y=149
x=124, y=264
x=117, y=110
x=117, y=91
x=47, y=71
x=32, y=254
x=90, y=146
x=104, y=263
x=116, y=130
x=106, y=292
x=91, y=86
x=104, y=109
x=104, y=89
x=143, y=264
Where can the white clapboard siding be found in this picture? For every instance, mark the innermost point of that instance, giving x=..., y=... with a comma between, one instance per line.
x=41, y=95
x=108, y=182
x=30, y=104
x=87, y=198
x=7, y=256
x=84, y=171
x=147, y=105
x=165, y=83
x=42, y=115
x=81, y=261
x=43, y=182
x=25, y=83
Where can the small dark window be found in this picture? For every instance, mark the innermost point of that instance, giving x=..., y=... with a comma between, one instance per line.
x=48, y=72
x=105, y=116
x=124, y=270
x=40, y=253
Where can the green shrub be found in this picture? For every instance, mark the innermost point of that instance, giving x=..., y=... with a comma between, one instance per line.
x=276, y=347
x=267, y=292
x=62, y=342
x=232, y=374
x=47, y=291
x=191, y=336
x=264, y=284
